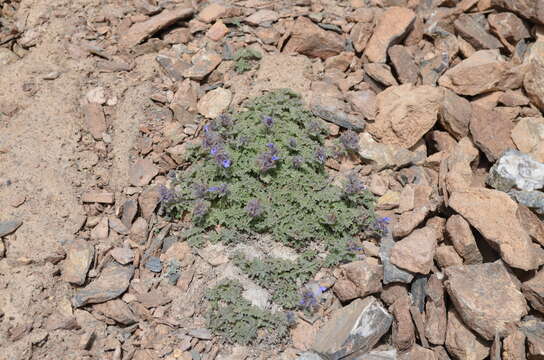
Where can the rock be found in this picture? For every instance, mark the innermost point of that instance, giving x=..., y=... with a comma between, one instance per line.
x=455, y=114
x=486, y=296
x=110, y=284
x=79, y=256
x=431, y=70
x=384, y=156
x=415, y=253
x=472, y=31
x=261, y=17
x=418, y=353
x=405, y=114
x=508, y=27
x=153, y=264
x=365, y=279
x=528, y=135
x=515, y=169
x=459, y=172
x=102, y=197
x=96, y=96
x=118, y=311
x=390, y=200
x=408, y=221
x=172, y=66
x=217, y=31
x=493, y=214
x=380, y=353
x=381, y=73
x=435, y=311
x=141, y=31
x=130, y=209
x=7, y=227
x=393, y=292
x=101, y=230
x=514, y=346
x=364, y=102
x=360, y=34
x=461, y=342
x=214, y=103
x=404, y=64
x=484, y=71
x=403, y=335
x=142, y=172
x=202, y=334
x=212, y=12
x=148, y=200
x=184, y=106
x=393, y=24
x=309, y=356
x=529, y=9
x=533, y=329
x=7, y=57
x=313, y=41
x=491, y=130
x=531, y=223
x=123, y=255
x=204, y=62
x=530, y=199
x=391, y=273
x=447, y=256
x=533, y=290
x=514, y=98
x=330, y=110
x=355, y=327
x=460, y=235
x=414, y=196
x=95, y=120
x=532, y=83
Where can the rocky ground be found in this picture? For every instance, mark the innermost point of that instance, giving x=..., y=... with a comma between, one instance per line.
x=99, y=100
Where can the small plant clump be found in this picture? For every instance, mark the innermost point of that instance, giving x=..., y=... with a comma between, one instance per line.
x=244, y=59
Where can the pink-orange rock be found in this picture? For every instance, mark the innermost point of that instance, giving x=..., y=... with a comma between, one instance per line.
x=491, y=131
x=309, y=39
x=461, y=342
x=533, y=290
x=415, y=252
x=463, y=240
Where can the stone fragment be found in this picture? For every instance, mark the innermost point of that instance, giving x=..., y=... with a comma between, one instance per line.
x=533, y=290
x=364, y=102
x=110, y=284
x=515, y=169
x=508, y=27
x=103, y=197
x=389, y=200
x=123, y=255
x=459, y=172
x=415, y=253
x=204, y=62
x=529, y=9
x=455, y=114
x=355, y=327
x=463, y=240
x=403, y=335
x=383, y=156
x=212, y=12
x=309, y=39
x=533, y=83
x=393, y=292
x=472, y=31
x=95, y=120
x=142, y=172
x=405, y=114
x=493, y=214
x=447, y=256
x=148, y=200
x=360, y=34
x=172, y=66
x=482, y=72
x=418, y=353
x=391, y=273
x=365, y=277
x=461, y=342
x=330, y=109
x=528, y=135
x=514, y=346
x=514, y=98
x=533, y=328
x=531, y=223
x=435, y=311
x=79, y=256
x=414, y=196
x=130, y=209
x=381, y=73
x=431, y=70
x=101, y=230
x=486, y=296
x=392, y=25
x=217, y=31
x=117, y=310
x=261, y=17
x=184, y=106
x=141, y=31
x=96, y=95
x=404, y=64
x=214, y=103
x=491, y=131
x=7, y=227
x=408, y=221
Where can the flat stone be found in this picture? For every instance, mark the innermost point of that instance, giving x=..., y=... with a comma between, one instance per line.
x=459, y=233
x=95, y=196
x=101, y=230
x=528, y=135
x=214, y=103
x=110, y=284
x=142, y=172
x=486, y=296
x=204, y=62
x=435, y=311
x=184, y=107
x=7, y=227
x=95, y=120
x=455, y=114
x=404, y=64
x=148, y=201
x=389, y=200
x=355, y=327
x=461, y=342
x=493, y=214
x=533, y=290
x=123, y=255
x=212, y=12
x=303, y=335
x=459, y=171
x=309, y=39
x=118, y=311
x=79, y=257
x=202, y=334
x=217, y=31
x=141, y=31
x=403, y=334
x=405, y=114
x=130, y=209
x=392, y=25
x=383, y=156
x=533, y=82
x=447, y=256
x=365, y=277
x=491, y=131
x=514, y=346
x=418, y=353
x=533, y=328
x=508, y=26
x=514, y=98
x=472, y=31
x=360, y=34
x=515, y=169
x=391, y=273
x=379, y=354
x=414, y=196
x=381, y=73
x=329, y=110
x=408, y=221
x=173, y=67
x=415, y=252
x=529, y=9
x=482, y=72
x=261, y=17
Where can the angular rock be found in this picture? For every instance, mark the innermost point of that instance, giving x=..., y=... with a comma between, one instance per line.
x=391, y=273
x=214, y=103
x=383, y=156
x=514, y=346
x=403, y=334
x=381, y=73
x=418, y=353
x=533, y=290
x=330, y=110
x=484, y=71
x=508, y=26
x=447, y=256
x=455, y=114
x=459, y=172
x=463, y=240
x=261, y=17
x=530, y=199
x=101, y=230
x=435, y=311
x=408, y=221
x=514, y=98
x=365, y=277
x=405, y=114
x=7, y=227
x=533, y=328
x=393, y=24
x=117, y=310
x=130, y=209
x=142, y=172
x=217, y=31
x=491, y=130
x=204, y=62
x=110, y=284
x=486, y=296
x=461, y=342
x=415, y=252
x=79, y=256
x=515, y=169
x=529, y=9
x=431, y=70
x=472, y=31
x=493, y=214
x=102, y=197
x=172, y=66
x=184, y=105
x=360, y=34
x=364, y=102
x=528, y=135
x=393, y=292
x=533, y=83
x=355, y=327
x=95, y=120
x=414, y=196
x=123, y=255
x=404, y=64
x=309, y=39
x=148, y=200
x=212, y=12
x=141, y=31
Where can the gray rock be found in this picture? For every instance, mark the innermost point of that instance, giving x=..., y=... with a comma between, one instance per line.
x=153, y=264
x=390, y=354
x=385, y=156
x=515, y=169
x=309, y=356
x=337, y=116
x=202, y=334
x=391, y=273
x=7, y=227
x=531, y=199
x=354, y=328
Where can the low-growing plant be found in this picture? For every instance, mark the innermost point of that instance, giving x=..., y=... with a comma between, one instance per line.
x=244, y=59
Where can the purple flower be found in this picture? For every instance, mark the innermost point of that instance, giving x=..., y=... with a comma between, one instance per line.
x=298, y=161
x=223, y=160
x=220, y=190
x=323, y=289
x=214, y=150
x=206, y=128
x=199, y=191
x=353, y=185
x=166, y=195
x=268, y=121
x=275, y=158
x=200, y=209
x=225, y=120
x=267, y=160
x=225, y=163
x=321, y=154
x=350, y=140
x=381, y=224
x=254, y=208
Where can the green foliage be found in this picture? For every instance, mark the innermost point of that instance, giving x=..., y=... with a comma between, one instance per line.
x=244, y=59
x=234, y=318
x=282, y=277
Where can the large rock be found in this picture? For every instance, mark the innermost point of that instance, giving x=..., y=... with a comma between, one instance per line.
x=79, y=257
x=405, y=114
x=472, y=31
x=455, y=114
x=391, y=273
x=214, y=103
x=461, y=342
x=486, y=296
x=529, y=9
x=484, y=71
x=362, y=278
x=493, y=214
x=393, y=24
x=403, y=334
x=491, y=131
x=508, y=26
x=309, y=39
x=459, y=171
x=435, y=311
x=415, y=252
x=404, y=64
x=515, y=169
x=386, y=156
x=463, y=240
x=356, y=327
x=528, y=135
